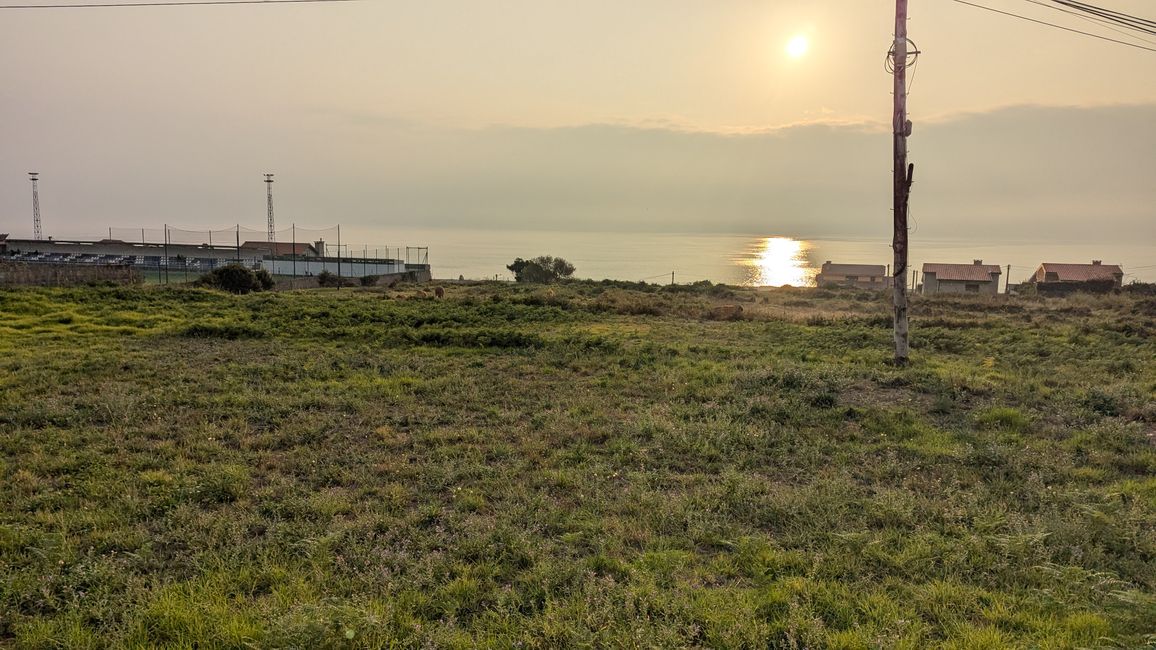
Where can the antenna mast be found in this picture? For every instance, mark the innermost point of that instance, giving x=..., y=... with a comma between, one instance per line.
x=36, y=231
x=269, y=193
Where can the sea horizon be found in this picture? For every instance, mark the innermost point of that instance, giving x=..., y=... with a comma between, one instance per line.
x=770, y=259
x=767, y=259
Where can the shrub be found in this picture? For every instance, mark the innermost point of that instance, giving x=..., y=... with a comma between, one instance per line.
x=236, y=278
x=543, y=269
x=265, y=279
x=329, y=279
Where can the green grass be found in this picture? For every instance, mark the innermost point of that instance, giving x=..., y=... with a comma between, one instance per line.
x=588, y=465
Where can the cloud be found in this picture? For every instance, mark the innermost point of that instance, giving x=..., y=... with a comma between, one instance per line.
x=1024, y=172
x=1027, y=172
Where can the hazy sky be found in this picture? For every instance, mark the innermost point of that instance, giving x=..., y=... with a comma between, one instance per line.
x=648, y=114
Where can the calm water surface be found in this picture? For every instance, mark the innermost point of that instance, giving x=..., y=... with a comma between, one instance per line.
x=773, y=259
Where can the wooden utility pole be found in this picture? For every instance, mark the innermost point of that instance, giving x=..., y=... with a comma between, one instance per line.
x=1007, y=282
x=901, y=128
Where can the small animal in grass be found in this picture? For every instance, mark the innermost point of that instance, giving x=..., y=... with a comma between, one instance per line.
x=421, y=293
x=439, y=292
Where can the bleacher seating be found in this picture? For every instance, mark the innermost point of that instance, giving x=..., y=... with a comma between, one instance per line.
x=199, y=264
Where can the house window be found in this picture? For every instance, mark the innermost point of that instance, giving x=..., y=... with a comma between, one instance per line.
x=971, y=288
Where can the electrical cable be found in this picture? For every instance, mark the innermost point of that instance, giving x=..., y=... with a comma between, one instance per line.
x=1117, y=16
x=1091, y=19
x=912, y=57
x=186, y=3
x=1043, y=22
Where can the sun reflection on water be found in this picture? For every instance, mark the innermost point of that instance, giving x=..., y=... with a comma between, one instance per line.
x=776, y=261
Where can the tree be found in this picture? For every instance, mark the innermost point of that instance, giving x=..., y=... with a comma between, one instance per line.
x=543, y=270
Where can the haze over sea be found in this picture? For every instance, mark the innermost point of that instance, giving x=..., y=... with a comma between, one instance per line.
x=772, y=259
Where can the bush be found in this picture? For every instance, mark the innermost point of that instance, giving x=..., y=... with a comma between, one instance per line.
x=329, y=279
x=542, y=270
x=265, y=279
x=236, y=278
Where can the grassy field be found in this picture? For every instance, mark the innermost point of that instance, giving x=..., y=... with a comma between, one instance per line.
x=589, y=465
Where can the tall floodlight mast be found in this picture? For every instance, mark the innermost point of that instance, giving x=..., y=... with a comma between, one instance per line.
x=269, y=194
x=37, y=233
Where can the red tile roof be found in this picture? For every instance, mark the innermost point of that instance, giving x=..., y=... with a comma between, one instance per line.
x=861, y=270
x=1080, y=272
x=963, y=272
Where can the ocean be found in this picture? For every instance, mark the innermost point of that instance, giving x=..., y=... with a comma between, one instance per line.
x=772, y=259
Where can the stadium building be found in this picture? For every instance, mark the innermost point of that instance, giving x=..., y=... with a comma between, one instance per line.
x=279, y=258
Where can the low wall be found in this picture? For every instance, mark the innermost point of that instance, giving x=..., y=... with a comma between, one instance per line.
x=16, y=274
x=385, y=280
x=355, y=268
x=388, y=280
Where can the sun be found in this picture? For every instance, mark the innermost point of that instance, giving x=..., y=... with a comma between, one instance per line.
x=797, y=46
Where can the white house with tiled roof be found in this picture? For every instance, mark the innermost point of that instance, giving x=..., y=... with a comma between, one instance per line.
x=863, y=276
x=1096, y=273
x=1059, y=279
x=976, y=277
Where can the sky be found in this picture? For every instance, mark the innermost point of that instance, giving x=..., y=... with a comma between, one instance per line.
x=599, y=115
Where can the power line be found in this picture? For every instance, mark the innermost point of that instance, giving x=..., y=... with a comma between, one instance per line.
x=1091, y=19
x=1066, y=29
x=187, y=3
x=1136, y=24
x=1110, y=14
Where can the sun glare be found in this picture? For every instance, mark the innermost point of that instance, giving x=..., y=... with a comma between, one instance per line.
x=797, y=46
x=778, y=261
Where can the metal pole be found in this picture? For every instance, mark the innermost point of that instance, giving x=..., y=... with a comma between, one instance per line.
x=339, y=256
x=37, y=233
x=166, y=253
x=294, y=256
x=269, y=187
x=238, y=243
x=901, y=128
